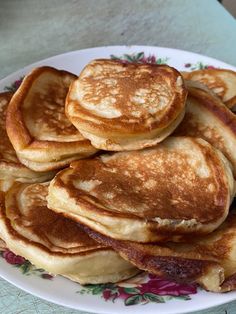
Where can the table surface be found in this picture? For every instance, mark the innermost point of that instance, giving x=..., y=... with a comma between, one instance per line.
x=31, y=30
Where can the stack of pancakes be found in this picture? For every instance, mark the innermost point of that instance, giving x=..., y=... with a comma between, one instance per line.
x=147, y=180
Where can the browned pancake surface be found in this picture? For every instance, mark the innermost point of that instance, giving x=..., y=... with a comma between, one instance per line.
x=182, y=186
x=28, y=213
x=136, y=92
x=153, y=183
x=126, y=106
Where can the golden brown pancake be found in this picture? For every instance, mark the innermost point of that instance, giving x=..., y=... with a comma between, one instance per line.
x=10, y=167
x=53, y=242
x=180, y=187
x=38, y=129
x=126, y=106
x=209, y=260
x=208, y=118
x=221, y=81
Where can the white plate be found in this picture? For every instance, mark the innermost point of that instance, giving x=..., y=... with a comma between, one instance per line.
x=62, y=291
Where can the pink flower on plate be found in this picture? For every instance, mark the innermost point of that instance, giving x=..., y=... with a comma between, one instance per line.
x=187, y=65
x=106, y=294
x=17, y=83
x=122, y=294
x=149, y=59
x=109, y=294
x=209, y=67
x=161, y=286
x=13, y=259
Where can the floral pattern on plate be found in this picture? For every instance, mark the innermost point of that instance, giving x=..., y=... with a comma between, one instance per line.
x=142, y=289
x=198, y=66
x=23, y=265
x=14, y=86
x=140, y=57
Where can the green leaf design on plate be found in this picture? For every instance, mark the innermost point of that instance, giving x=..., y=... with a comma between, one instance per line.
x=135, y=299
x=140, y=55
x=152, y=297
x=129, y=58
x=113, y=57
x=97, y=289
x=131, y=290
x=161, y=61
x=25, y=268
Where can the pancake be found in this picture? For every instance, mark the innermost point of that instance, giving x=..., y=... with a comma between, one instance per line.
x=181, y=187
x=2, y=245
x=53, y=242
x=208, y=118
x=121, y=106
x=10, y=167
x=209, y=261
x=44, y=139
x=221, y=81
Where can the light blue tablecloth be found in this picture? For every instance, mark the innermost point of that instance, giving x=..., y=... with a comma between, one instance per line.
x=31, y=30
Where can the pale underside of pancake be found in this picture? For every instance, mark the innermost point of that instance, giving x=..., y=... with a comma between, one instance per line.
x=208, y=118
x=42, y=136
x=182, y=186
x=10, y=167
x=209, y=260
x=221, y=81
x=126, y=106
x=53, y=242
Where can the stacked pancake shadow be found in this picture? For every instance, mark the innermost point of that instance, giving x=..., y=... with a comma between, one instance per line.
x=142, y=165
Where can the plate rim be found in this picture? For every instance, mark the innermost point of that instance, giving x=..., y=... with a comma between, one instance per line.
x=197, y=55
